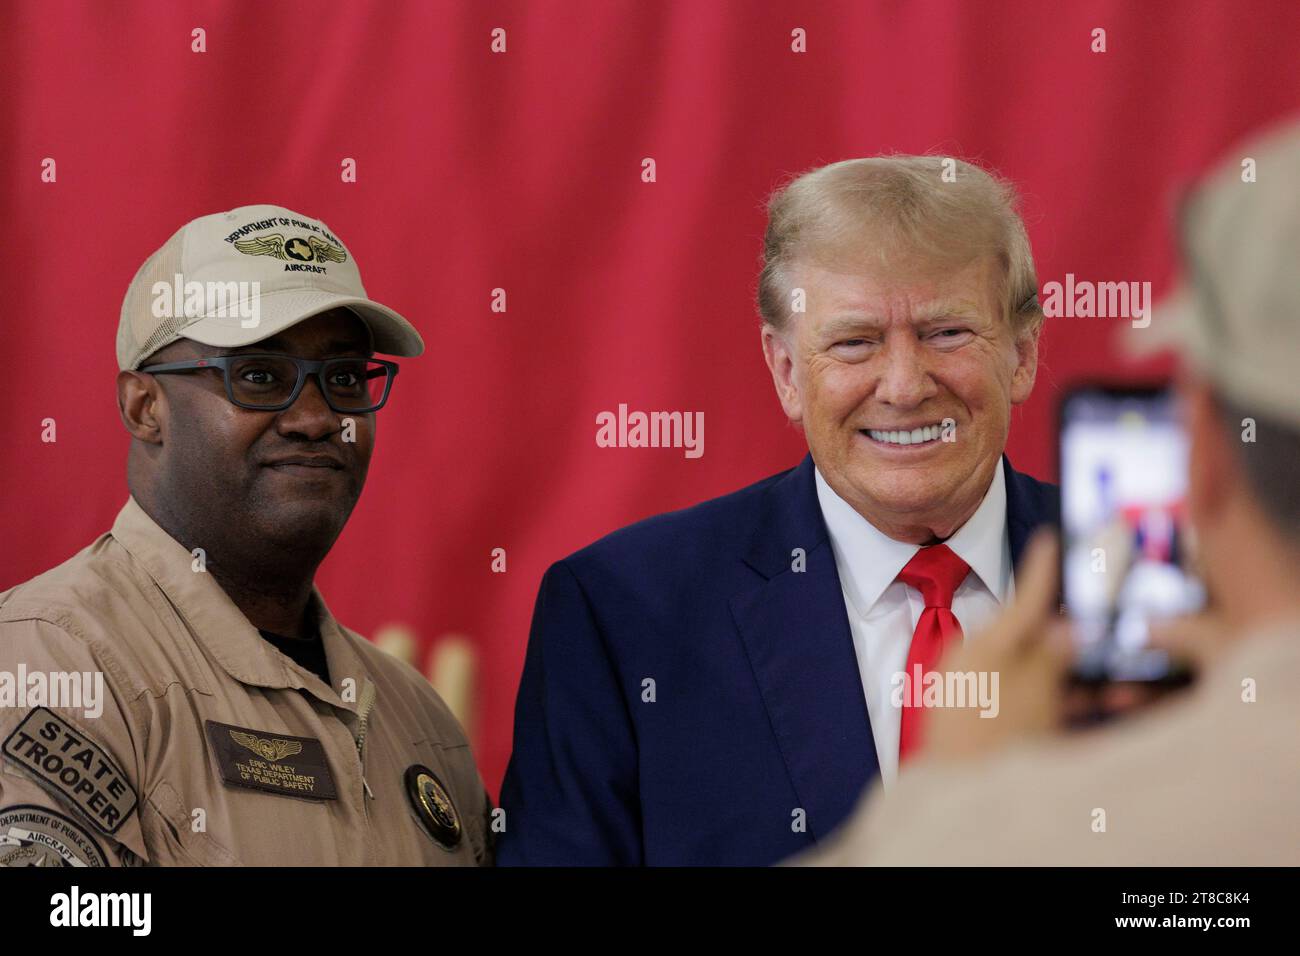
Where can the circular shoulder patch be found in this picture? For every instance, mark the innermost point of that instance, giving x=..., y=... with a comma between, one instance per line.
x=36, y=836
x=433, y=805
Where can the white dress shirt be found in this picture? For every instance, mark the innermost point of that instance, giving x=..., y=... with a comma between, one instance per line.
x=883, y=612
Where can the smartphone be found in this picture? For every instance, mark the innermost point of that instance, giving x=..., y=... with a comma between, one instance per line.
x=1125, y=544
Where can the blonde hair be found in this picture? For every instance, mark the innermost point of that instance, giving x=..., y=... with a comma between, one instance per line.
x=883, y=207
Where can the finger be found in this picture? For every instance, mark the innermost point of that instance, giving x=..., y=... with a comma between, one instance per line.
x=1038, y=567
x=1050, y=648
x=1036, y=591
x=1061, y=640
x=1196, y=637
x=1023, y=621
x=1046, y=664
x=1190, y=628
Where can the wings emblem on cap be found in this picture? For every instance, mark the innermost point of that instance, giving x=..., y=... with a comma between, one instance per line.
x=266, y=748
x=326, y=251
x=315, y=248
x=272, y=245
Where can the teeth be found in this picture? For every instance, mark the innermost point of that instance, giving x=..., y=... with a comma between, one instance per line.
x=917, y=436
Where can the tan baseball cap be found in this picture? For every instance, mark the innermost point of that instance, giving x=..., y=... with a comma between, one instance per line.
x=238, y=277
x=1235, y=316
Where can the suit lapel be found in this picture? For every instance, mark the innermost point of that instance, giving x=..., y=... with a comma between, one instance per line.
x=1030, y=504
x=796, y=632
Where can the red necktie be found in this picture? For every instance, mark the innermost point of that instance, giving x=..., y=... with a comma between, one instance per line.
x=935, y=572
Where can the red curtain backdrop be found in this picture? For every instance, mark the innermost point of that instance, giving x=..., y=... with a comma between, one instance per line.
x=522, y=170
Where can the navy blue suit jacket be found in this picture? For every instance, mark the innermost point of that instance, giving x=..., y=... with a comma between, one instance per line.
x=685, y=692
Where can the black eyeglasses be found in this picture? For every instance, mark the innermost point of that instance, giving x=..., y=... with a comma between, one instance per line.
x=270, y=383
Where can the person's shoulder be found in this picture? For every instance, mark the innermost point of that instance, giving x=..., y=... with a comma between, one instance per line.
x=78, y=594
x=95, y=606
x=1029, y=493
x=701, y=531
x=1175, y=773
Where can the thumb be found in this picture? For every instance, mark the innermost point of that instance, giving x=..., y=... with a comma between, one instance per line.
x=1037, y=586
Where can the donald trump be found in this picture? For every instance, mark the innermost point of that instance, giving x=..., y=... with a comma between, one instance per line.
x=720, y=685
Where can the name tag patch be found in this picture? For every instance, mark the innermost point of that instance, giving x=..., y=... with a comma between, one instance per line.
x=274, y=763
x=66, y=761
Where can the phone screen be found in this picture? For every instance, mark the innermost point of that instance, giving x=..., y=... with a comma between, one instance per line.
x=1123, y=466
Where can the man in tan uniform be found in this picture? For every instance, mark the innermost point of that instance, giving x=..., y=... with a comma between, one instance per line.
x=1212, y=778
x=178, y=692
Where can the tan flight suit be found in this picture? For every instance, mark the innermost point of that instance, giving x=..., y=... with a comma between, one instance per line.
x=212, y=747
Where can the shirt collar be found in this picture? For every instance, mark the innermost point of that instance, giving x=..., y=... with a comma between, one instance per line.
x=218, y=623
x=982, y=541
x=873, y=560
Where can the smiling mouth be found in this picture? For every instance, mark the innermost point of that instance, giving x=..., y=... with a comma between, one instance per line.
x=925, y=435
x=301, y=467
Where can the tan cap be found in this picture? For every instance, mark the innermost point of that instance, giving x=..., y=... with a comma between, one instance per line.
x=1235, y=317
x=238, y=277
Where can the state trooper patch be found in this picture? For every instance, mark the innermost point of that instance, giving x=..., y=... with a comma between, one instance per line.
x=433, y=806
x=35, y=836
x=67, y=761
